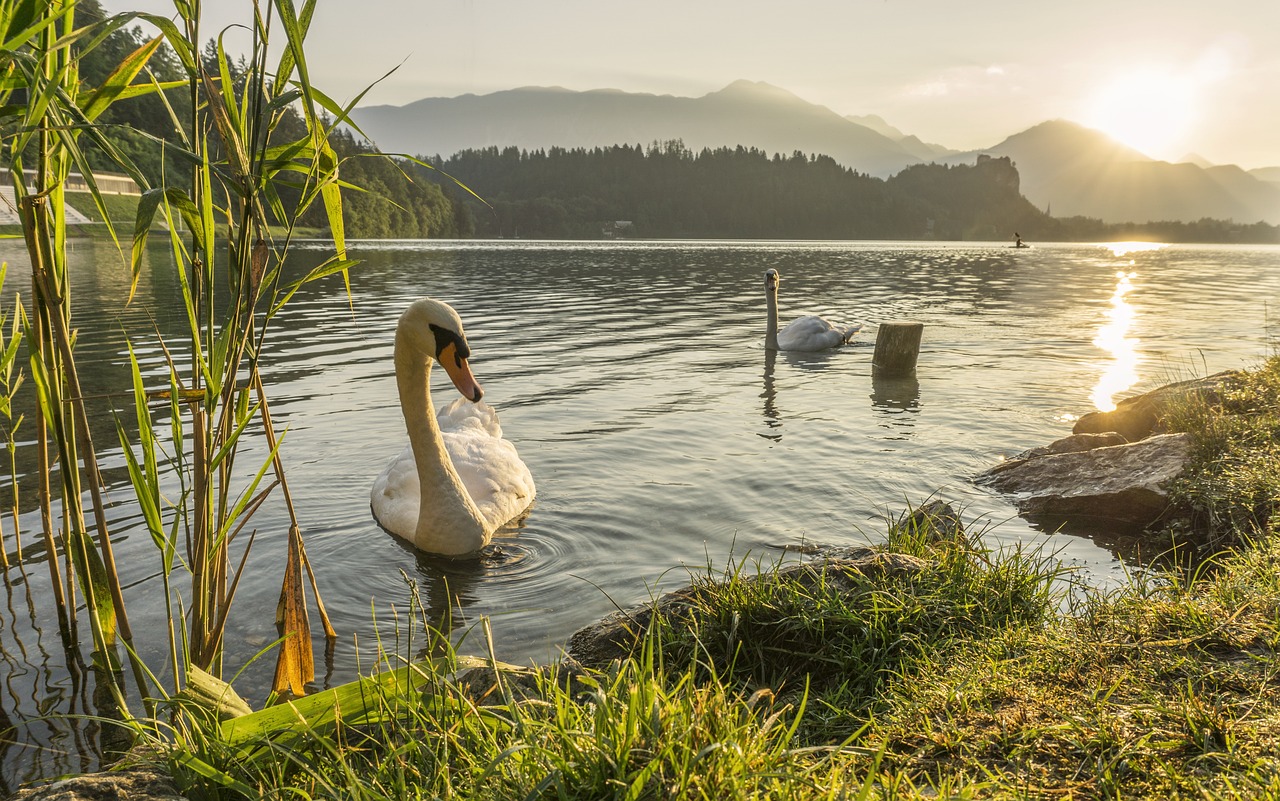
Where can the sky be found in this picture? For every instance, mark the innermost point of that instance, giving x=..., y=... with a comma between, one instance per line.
x=1170, y=78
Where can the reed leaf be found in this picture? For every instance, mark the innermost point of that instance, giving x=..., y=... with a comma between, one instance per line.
x=145, y=476
x=118, y=82
x=25, y=22
x=295, y=666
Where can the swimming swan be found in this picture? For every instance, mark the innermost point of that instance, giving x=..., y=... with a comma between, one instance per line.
x=809, y=333
x=471, y=479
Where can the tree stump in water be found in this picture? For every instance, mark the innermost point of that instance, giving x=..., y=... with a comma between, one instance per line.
x=897, y=348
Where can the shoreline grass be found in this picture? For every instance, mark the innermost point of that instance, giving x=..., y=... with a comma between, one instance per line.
x=929, y=668
x=1165, y=688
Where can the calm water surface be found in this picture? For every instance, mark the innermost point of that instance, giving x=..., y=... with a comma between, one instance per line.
x=663, y=438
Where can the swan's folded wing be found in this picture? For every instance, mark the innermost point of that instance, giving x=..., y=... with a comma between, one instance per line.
x=495, y=477
x=394, y=496
x=809, y=333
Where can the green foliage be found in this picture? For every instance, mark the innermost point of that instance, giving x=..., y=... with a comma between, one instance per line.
x=392, y=204
x=630, y=733
x=1232, y=485
x=849, y=629
x=136, y=126
x=1164, y=688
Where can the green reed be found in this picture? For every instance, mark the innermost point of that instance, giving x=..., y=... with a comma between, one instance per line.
x=255, y=134
x=47, y=113
x=257, y=140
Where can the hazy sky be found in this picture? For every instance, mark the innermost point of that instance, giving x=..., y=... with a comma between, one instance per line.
x=1170, y=77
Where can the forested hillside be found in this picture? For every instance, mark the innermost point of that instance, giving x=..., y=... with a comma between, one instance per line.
x=669, y=191
x=384, y=202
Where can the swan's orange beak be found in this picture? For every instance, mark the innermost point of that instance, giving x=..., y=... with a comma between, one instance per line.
x=460, y=373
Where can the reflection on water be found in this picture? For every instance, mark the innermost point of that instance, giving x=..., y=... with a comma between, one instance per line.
x=1113, y=337
x=1125, y=248
x=895, y=394
x=772, y=420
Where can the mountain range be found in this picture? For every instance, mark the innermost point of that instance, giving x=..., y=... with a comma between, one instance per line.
x=1065, y=168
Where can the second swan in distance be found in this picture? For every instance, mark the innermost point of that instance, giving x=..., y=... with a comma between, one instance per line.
x=809, y=333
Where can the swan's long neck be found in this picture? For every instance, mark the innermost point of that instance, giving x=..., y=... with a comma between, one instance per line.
x=771, y=322
x=448, y=521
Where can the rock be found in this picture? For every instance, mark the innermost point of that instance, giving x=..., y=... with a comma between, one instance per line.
x=1072, y=444
x=618, y=635
x=938, y=518
x=1140, y=416
x=1121, y=483
x=133, y=784
x=1075, y=444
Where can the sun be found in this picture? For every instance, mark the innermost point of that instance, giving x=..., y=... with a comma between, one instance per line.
x=1149, y=110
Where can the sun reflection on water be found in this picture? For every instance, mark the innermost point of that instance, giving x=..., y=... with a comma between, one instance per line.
x=1113, y=337
x=1125, y=248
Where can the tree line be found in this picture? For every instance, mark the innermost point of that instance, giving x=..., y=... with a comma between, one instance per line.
x=666, y=190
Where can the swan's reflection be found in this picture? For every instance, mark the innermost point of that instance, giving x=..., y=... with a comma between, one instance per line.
x=1113, y=337
x=772, y=419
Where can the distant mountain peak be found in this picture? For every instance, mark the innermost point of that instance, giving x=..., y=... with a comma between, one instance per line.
x=1064, y=136
x=876, y=123
x=754, y=90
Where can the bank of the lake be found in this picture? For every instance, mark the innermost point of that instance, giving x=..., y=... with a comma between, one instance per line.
x=929, y=667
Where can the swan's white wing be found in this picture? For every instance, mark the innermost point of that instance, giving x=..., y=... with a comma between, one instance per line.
x=814, y=333
x=497, y=480
x=394, y=497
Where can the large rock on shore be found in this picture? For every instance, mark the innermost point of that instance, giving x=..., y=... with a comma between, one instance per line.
x=1143, y=415
x=620, y=634
x=134, y=784
x=1126, y=484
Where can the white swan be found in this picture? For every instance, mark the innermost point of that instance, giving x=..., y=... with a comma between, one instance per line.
x=458, y=480
x=807, y=333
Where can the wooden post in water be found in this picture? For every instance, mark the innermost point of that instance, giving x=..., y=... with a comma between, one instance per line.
x=897, y=347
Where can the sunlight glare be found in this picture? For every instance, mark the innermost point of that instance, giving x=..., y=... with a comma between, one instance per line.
x=1113, y=337
x=1148, y=110
x=1125, y=248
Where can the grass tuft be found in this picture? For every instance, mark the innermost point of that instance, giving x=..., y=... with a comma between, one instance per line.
x=1232, y=485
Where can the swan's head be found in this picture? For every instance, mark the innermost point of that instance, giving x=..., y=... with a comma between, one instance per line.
x=434, y=329
x=771, y=280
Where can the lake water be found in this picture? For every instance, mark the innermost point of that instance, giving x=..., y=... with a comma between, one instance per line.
x=662, y=436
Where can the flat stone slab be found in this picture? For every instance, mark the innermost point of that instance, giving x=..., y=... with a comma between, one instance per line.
x=1123, y=483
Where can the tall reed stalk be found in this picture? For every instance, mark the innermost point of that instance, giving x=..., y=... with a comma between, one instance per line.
x=48, y=111
x=256, y=136
x=258, y=145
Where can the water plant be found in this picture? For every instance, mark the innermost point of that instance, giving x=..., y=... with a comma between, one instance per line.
x=48, y=111
x=254, y=133
x=1231, y=487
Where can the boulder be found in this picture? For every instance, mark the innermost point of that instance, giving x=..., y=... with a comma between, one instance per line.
x=1141, y=416
x=135, y=784
x=618, y=635
x=1075, y=444
x=1126, y=484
